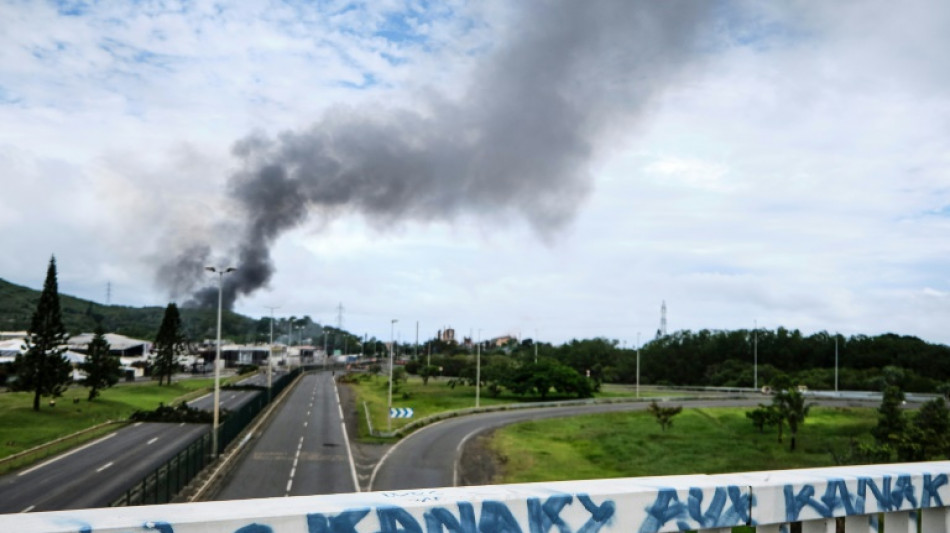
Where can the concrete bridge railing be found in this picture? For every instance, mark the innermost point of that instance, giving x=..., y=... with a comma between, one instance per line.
x=900, y=497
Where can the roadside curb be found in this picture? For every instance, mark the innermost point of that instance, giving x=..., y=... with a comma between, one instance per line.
x=422, y=422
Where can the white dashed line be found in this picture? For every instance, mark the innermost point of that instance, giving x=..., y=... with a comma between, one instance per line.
x=28, y=509
x=293, y=469
x=103, y=467
x=151, y=441
x=67, y=454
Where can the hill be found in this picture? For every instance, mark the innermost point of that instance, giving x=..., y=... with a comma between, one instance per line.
x=17, y=304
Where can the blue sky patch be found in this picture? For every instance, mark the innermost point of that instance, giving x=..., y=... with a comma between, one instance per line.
x=8, y=98
x=369, y=80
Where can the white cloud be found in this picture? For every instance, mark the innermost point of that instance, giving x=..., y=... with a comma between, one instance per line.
x=799, y=177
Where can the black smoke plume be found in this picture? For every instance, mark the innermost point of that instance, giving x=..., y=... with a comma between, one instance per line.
x=571, y=76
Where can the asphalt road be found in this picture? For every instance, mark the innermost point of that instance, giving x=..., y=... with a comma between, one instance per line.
x=96, y=474
x=231, y=399
x=301, y=451
x=428, y=458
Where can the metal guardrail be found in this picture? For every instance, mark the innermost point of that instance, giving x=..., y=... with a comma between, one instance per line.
x=165, y=482
x=425, y=421
x=900, y=498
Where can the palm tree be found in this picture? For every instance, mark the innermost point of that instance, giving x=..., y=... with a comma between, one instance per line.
x=791, y=404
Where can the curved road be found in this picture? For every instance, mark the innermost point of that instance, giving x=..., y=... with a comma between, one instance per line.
x=428, y=458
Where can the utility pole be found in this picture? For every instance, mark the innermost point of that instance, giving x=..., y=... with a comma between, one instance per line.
x=415, y=355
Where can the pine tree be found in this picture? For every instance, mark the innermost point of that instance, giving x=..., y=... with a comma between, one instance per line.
x=101, y=367
x=168, y=344
x=42, y=368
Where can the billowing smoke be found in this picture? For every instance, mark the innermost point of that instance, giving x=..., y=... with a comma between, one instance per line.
x=517, y=143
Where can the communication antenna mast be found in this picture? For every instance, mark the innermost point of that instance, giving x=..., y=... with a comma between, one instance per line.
x=108, y=293
x=339, y=317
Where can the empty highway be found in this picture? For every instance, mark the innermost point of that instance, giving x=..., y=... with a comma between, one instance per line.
x=302, y=450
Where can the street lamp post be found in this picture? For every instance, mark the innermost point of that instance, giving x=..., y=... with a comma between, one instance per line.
x=535, y=346
x=638, y=364
x=270, y=354
x=220, y=271
x=392, y=338
x=836, y=363
x=478, y=369
x=755, y=355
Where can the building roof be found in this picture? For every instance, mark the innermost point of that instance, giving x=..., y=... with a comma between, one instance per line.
x=116, y=341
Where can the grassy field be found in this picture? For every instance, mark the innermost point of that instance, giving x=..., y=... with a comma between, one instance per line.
x=425, y=400
x=22, y=428
x=437, y=397
x=702, y=440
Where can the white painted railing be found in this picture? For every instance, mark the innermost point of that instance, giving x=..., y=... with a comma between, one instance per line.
x=900, y=493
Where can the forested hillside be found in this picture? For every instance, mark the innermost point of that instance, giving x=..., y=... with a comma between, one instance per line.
x=17, y=304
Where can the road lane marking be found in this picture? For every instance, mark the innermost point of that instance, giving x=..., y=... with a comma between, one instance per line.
x=293, y=469
x=28, y=509
x=458, y=455
x=67, y=454
x=379, y=464
x=305, y=422
x=346, y=439
x=151, y=441
x=103, y=467
x=137, y=424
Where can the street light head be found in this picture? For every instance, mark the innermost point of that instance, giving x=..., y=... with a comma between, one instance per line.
x=210, y=269
x=229, y=269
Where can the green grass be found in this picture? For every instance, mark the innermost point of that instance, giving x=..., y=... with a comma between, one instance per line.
x=438, y=397
x=425, y=400
x=631, y=444
x=22, y=428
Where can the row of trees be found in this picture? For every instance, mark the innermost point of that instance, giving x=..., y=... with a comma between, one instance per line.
x=500, y=374
x=727, y=359
x=43, y=369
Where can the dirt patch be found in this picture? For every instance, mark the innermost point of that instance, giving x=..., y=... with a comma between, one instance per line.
x=479, y=464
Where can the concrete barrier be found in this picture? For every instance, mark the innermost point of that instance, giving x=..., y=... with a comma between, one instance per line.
x=903, y=494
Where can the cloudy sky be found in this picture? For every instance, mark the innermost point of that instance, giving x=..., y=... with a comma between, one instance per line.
x=542, y=168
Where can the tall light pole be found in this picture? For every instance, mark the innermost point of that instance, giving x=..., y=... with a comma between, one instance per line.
x=270, y=352
x=638, y=364
x=755, y=355
x=392, y=339
x=220, y=271
x=836, y=363
x=536, y=346
x=478, y=369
